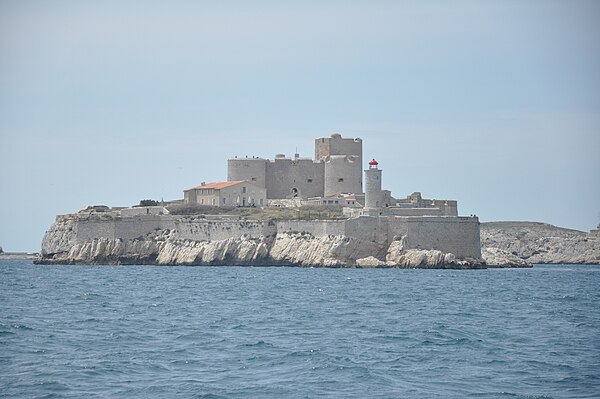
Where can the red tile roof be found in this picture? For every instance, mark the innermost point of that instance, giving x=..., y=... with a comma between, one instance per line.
x=217, y=185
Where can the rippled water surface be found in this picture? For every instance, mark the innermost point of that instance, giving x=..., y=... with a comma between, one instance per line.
x=233, y=332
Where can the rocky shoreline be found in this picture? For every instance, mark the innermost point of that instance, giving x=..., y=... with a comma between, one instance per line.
x=294, y=249
x=503, y=244
x=18, y=256
x=539, y=243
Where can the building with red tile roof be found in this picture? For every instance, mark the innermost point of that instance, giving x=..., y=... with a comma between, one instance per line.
x=230, y=193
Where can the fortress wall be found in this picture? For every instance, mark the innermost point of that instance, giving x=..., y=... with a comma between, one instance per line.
x=251, y=169
x=375, y=229
x=89, y=229
x=447, y=207
x=127, y=228
x=284, y=174
x=317, y=228
x=397, y=227
x=413, y=211
x=144, y=210
x=459, y=236
x=212, y=230
x=345, y=168
x=139, y=226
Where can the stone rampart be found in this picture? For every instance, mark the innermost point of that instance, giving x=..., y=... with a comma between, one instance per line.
x=369, y=228
x=213, y=230
x=397, y=211
x=316, y=228
x=144, y=210
x=140, y=238
x=89, y=227
x=457, y=235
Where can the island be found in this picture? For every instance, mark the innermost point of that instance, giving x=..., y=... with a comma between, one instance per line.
x=310, y=212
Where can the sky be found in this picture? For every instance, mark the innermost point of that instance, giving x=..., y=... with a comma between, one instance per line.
x=493, y=103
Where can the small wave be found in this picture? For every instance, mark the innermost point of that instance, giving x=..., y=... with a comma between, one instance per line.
x=304, y=353
x=88, y=320
x=22, y=327
x=259, y=344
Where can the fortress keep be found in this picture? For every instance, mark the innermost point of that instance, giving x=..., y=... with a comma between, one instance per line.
x=336, y=169
x=333, y=177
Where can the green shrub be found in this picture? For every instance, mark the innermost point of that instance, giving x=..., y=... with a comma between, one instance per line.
x=148, y=202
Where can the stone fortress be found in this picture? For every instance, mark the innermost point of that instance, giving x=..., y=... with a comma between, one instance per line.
x=336, y=169
x=377, y=230
x=333, y=177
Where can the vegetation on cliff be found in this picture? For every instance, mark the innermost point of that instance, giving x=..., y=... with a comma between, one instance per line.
x=251, y=213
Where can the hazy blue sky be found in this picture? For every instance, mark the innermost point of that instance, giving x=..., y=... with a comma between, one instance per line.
x=493, y=103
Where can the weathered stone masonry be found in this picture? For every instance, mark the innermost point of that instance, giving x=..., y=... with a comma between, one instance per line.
x=372, y=235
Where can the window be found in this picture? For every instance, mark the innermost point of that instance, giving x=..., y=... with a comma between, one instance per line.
x=243, y=189
x=340, y=180
x=214, y=201
x=254, y=179
x=309, y=181
x=224, y=201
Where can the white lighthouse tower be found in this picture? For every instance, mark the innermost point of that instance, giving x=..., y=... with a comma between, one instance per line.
x=373, y=193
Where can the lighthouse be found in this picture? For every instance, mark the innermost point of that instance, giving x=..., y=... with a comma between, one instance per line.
x=373, y=193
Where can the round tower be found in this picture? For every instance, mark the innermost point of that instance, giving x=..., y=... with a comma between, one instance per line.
x=373, y=192
x=251, y=169
x=341, y=175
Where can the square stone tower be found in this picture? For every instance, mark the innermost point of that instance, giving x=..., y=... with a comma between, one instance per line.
x=343, y=163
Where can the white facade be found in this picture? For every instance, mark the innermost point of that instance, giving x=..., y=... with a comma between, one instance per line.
x=235, y=193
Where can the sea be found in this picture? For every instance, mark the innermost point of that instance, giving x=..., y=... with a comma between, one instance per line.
x=285, y=332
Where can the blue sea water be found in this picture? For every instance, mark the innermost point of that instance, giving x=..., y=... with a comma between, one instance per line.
x=234, y=332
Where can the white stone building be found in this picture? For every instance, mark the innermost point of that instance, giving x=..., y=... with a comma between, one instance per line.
x=335, y=170
x=231, y=193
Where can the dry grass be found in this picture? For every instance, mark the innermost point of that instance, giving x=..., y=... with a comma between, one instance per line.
x=266, y=213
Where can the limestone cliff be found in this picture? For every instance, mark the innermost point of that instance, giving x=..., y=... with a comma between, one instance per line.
x=90, y=237
x=532, y=242
x=62, y=245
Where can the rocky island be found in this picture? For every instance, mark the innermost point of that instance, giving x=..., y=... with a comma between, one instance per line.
x=305, y=212
x=284, y=211
x=17, y=255
x=152, y=235
x=532, y=242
